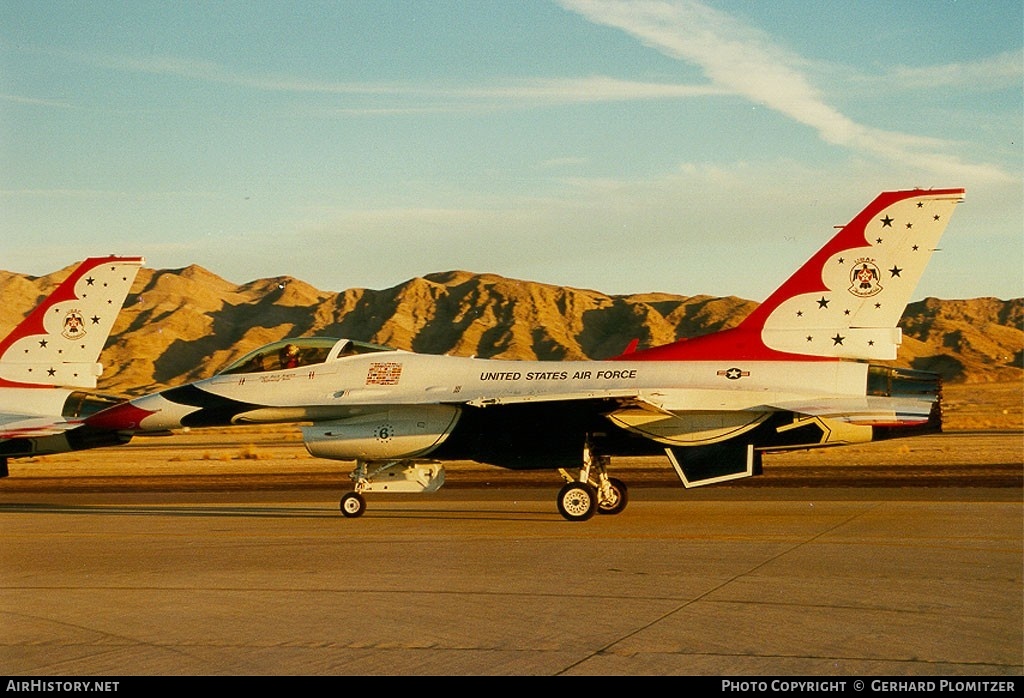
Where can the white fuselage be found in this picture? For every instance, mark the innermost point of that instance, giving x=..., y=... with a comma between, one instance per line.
x=356, y=384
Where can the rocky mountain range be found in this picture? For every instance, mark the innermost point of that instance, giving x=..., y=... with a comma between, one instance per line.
x=184, y=324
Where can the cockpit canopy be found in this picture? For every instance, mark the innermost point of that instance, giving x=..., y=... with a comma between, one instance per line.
x=301, y=351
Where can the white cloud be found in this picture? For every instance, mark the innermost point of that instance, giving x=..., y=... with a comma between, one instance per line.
x=1004, y=70
x=596, y=88
x=35, y=101
x=745, y=61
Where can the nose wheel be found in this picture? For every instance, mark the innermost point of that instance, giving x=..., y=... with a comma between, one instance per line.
x=352, y=505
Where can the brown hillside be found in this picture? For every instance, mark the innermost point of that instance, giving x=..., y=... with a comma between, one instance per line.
x=183, y=324
x=979, y=340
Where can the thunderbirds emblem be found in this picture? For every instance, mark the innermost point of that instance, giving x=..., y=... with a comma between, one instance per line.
x=864, y=279
x=74, y=325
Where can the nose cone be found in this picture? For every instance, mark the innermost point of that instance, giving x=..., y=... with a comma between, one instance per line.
x=126, y=416
x=147, y=413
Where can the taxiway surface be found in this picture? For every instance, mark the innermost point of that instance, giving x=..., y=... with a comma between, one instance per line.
x=487, y=579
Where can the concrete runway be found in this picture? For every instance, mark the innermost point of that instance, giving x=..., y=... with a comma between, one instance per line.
x=490, y=580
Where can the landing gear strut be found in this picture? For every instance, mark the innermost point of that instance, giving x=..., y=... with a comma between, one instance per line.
x=612, y=495
x=579, y=499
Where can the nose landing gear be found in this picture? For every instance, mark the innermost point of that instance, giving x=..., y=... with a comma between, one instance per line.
x=389, y=476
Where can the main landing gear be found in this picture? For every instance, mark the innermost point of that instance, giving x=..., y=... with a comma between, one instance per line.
x=579, y=500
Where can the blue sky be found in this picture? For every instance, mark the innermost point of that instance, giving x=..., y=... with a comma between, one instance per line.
x=681, y=147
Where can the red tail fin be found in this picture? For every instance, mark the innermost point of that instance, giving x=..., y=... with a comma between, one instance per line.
x=59, y=343
x=846, y=301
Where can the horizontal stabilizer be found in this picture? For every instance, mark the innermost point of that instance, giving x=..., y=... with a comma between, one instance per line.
x=870, y=409
x=14, y=426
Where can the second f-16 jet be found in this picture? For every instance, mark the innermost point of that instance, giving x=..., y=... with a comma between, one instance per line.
x=49, y=363
x=799, y=372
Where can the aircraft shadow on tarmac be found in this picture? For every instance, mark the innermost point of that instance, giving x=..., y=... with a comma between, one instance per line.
x=276, y=512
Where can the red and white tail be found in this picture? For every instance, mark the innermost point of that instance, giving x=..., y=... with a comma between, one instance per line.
x=847, y=300
x=59, y=343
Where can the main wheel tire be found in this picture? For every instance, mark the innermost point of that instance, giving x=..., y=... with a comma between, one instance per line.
x=577, y=501
x=620, y=497
x=352, y=505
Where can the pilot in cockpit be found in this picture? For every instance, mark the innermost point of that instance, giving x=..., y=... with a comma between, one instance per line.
x=289, y=356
